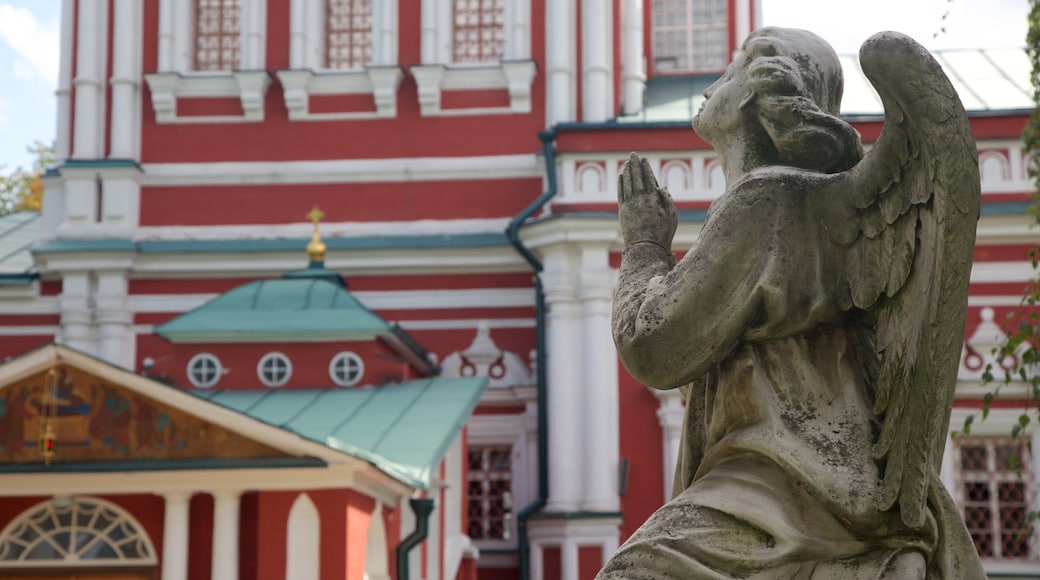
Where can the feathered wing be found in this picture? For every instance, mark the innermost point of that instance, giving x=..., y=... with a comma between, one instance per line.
x=907, y=219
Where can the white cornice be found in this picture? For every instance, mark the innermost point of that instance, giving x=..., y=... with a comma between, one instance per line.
x=344, y=171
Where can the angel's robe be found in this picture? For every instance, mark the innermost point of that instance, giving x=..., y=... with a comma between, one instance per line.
x=776, y=477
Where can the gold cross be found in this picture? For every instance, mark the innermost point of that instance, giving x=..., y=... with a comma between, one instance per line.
x=315, y=215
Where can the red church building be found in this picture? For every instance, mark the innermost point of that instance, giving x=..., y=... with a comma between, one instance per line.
x=431, y=390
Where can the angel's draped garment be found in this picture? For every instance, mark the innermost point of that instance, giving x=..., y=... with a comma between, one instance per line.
x=776, y=477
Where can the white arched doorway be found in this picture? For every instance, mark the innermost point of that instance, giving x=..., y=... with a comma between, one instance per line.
x=76, y=538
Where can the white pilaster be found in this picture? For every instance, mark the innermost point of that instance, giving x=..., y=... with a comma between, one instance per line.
x=64, y=91
x=633, y=75
x=90, y=51
x=569, y=560
x=670, y=416
x=518, y=27
x=565, y=404
x=599, y=382
x=175, y=537
x=742, y=20
x=253, y=22
x=125, y=79
x=384, y=29
x=113, y=319
x=225, y=534
x=74, y=303
x=597, y=61
x=559, y=61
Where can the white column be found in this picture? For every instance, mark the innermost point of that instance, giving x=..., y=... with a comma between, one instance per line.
x=599, y=382
x=597, y=61
x=569, y=560
x=633, y=76
x=253, y=22
x=113, y=319
x=670, y=416
x=518, y=27
x=225, y=534
x=125, y=79
x=565, y=404
x=742, y=19
x=384, y=26
x=120, y=200
x=559, y=61
x=175, y=537
x=88, y=82
x=64, y=91
x=74, y=303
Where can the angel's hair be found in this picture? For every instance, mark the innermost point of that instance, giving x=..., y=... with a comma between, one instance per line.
x=796, y=84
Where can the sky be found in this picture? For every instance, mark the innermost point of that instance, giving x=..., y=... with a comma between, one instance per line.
x=30, y=44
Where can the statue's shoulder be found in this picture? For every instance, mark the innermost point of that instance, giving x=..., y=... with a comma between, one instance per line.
x=776, y=186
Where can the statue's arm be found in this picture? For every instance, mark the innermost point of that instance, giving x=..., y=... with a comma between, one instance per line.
x=673, y=322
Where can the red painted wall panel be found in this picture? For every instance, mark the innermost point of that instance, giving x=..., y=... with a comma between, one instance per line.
x=11, y=346
x=641, y=445
x=272, y=517
x=590, y=560
x=285, y=204
x=552, y=565
x=200, y=536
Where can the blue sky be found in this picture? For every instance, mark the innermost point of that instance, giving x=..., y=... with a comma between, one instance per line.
x=29, y=46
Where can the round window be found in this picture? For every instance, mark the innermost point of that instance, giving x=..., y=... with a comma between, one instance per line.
x=274, y=369
x=346, y=369
x=204, y=370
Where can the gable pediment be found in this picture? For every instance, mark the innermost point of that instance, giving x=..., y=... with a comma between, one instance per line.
x=94, y=419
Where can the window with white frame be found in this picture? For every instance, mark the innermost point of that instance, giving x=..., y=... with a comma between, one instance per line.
x=211, y=49
x=274, y=369
x=348, y=34
x=489, y=477
x=218, y=34
x=994, y=487
x=690, y=35
x=346, y=369
x=204, y=370
x=342, y=47
x=478, y=31
x=75, y=532
x=475, y=45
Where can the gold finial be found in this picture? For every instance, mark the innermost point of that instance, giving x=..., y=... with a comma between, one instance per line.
x=316, y=247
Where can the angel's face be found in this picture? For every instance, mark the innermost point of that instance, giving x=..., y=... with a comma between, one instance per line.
x=720, y=114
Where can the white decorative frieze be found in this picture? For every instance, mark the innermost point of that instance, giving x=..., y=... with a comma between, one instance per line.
x=698, y=176
x=516, y=77
x=379, y=81
x=980, y=351
x=168, y=88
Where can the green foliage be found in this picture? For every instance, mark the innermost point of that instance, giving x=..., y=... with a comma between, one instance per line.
x=21, y=189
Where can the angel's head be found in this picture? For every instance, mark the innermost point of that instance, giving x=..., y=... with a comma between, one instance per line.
x=780, y=99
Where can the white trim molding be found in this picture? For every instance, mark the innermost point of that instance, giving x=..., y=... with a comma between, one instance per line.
x=514, y=76
x=176, y=78
x=379, y=81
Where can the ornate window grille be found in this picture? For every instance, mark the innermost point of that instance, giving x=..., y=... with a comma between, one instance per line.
x=79, y=532
x=490, y=485
x=690, y=35
x=478, y=31
x=994, y=486
x=218, y=31
x=348, y=34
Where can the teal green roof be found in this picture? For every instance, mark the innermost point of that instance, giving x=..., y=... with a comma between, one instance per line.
x=310, y=309
x=403, y=429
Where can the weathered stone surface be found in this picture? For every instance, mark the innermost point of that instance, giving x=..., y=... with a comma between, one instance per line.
x=814, y=326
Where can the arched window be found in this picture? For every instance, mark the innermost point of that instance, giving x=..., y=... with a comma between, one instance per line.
x=76, y=532
x=303, y=540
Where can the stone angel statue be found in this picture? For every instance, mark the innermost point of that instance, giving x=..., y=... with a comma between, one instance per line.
x=815, y=326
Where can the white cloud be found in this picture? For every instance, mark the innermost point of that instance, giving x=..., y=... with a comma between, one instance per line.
x=37, y=43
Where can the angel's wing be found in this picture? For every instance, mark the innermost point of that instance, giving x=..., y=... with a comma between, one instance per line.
x=908, y=223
